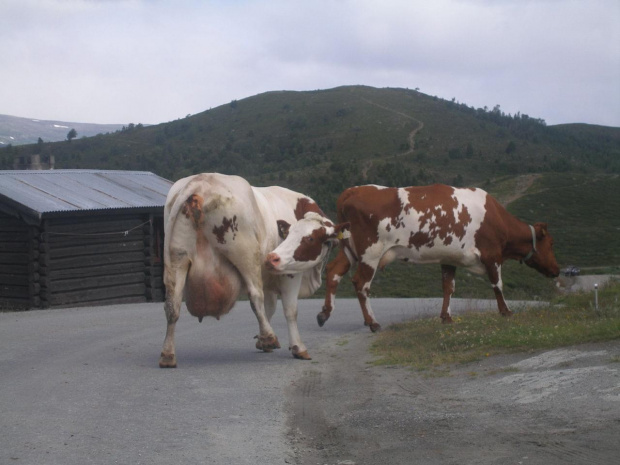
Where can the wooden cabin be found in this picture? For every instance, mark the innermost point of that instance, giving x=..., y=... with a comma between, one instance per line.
x=80, y=237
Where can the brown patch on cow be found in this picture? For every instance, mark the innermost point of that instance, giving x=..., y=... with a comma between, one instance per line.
x=305, y=205
x=365, y=207
x=192, y=209
x=311, y=246
x=398, y=222
x=492, y=234
x=464, y=220
x=228, y=225
x=419, y=239
x=437, y=205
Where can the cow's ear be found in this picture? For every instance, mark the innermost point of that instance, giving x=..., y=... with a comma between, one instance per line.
x=341, y=231
x=283, y=228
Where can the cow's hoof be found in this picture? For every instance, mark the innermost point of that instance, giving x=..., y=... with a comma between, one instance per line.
x=300, y=355
x=375, y=327
x=267, y=343
x=446, y=320
x=167, y=361
x=321, y=318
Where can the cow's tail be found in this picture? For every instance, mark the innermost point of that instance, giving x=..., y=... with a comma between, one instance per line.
x=179, y=201
x=183, y=197
x=346, y=242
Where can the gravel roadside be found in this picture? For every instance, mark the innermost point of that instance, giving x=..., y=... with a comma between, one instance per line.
x=554, y=407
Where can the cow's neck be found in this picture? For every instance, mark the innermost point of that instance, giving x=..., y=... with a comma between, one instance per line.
x=519, y=243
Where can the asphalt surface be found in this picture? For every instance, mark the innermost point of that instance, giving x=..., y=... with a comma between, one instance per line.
x=83, y=386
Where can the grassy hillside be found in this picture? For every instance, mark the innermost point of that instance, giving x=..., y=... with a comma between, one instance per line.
x=345, y=136
x=322, y=142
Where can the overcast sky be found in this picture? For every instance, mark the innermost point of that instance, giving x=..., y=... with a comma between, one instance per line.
x=139, y=61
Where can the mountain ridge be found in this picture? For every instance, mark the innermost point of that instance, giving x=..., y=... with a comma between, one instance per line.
x=17, y=130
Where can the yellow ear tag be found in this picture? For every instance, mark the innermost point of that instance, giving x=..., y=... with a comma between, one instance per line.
x=340, y=236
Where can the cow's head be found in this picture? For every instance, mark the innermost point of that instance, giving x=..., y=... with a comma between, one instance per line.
x=543, y=259
x=306, y=243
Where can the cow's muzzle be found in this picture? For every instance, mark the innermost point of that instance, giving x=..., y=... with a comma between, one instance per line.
x=272, y=261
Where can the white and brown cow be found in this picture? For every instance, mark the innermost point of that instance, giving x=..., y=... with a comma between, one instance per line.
x=218, y=231
x=304, y=244
x=431, y=224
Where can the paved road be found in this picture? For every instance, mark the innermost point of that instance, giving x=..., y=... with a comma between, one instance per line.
x=82, y=385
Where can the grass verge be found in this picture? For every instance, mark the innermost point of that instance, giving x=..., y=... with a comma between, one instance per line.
x=428, y=345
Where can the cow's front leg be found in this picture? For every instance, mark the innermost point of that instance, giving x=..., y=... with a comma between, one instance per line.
x=290, y=292
x=494, y=270
x=447, y=280
x=175, y=282
x=336, y=269
x=361, y=281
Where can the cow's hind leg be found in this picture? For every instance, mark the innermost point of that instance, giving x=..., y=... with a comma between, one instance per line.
x=267, y=340
x=447, y=280
x=175, y=282
x=249, y=267
x=361, y=281
x=494, y=270
x=270, y=301
x=336, y=269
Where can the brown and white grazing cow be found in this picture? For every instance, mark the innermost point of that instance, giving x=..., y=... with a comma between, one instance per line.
x=431, y=224
x=218, y=231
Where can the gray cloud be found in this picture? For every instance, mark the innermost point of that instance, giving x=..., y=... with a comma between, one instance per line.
x=154, y=61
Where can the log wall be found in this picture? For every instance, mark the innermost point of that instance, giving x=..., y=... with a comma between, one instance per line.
x=18, y=273
x=96, y=261
x=79, y=260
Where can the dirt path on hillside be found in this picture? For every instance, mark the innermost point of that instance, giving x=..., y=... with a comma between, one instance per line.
x=523, y=184
x=410, y=136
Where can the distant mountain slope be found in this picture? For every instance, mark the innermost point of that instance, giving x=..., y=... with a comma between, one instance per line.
x=18, y=131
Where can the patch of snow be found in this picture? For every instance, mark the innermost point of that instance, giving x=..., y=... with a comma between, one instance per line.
x=59, y=126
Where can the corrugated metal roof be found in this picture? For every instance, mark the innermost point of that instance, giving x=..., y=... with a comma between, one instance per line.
x=58, y=191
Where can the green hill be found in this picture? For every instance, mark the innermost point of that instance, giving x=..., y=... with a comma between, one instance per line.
x=324, y=141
